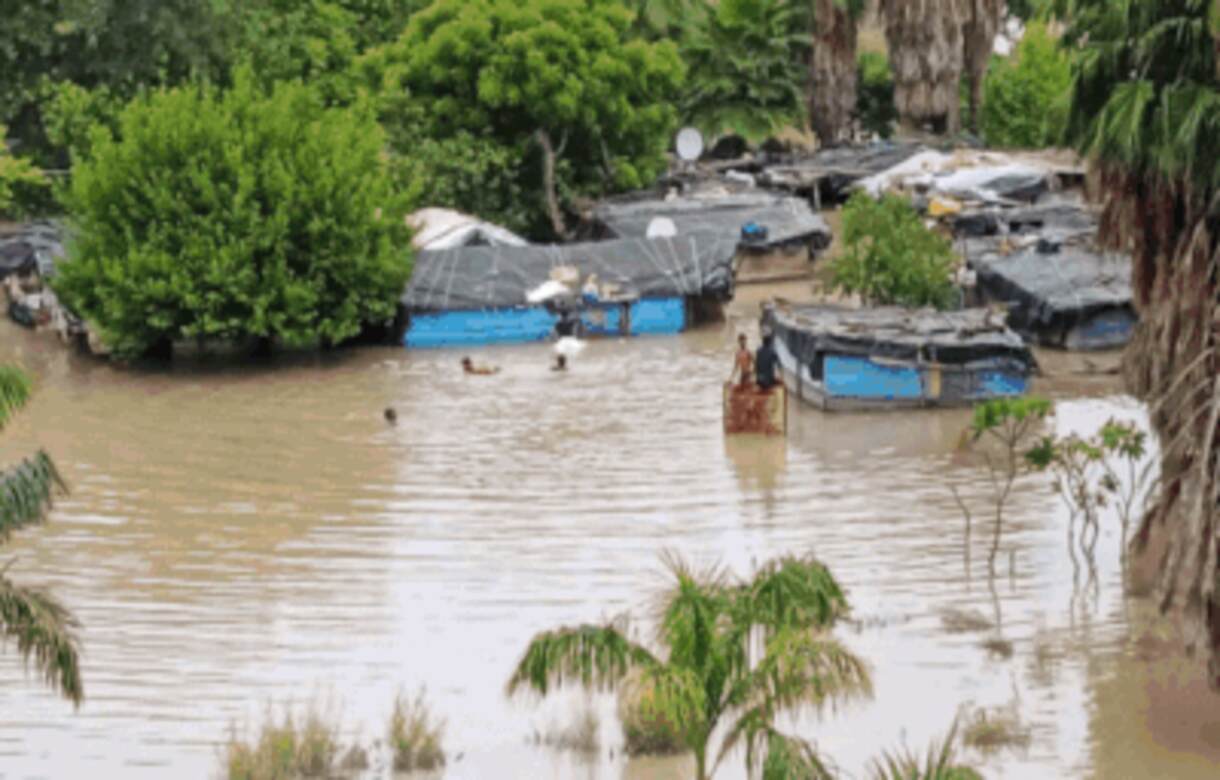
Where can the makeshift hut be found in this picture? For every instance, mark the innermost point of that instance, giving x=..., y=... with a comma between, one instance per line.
x=885, y=358
x=474, y=295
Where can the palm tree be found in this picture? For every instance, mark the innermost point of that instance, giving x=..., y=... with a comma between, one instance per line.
x=833, y=72
x=1145, y=108
x=41, y=627
x=728, y=653
x=927, y=59
x=940, y=763
x=978, y=38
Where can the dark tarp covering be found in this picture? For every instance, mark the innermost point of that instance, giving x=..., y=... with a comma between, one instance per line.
x=480, y=277
x=787, y=220
x=31, y=247
x=839, y=167
x=953, y=338
x=1054, y=291
x=1059, y=219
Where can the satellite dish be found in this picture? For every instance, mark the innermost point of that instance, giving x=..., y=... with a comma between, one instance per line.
x=690, y=144
x=661, y=227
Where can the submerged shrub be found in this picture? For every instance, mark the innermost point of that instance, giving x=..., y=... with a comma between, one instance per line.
x=415, y=736
x=235, y=216
x=285, y=750
x=891, y=257
x=649, y=725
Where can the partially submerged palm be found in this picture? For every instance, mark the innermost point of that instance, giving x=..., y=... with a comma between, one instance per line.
x=731, y=654
x=41, y=628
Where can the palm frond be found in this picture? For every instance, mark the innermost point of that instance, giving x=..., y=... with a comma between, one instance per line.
x=793, y=593
x=45, y=634
x=938, y=764
x=598, y=657
x=26, y=492
x=791, y=758
x=15, y=388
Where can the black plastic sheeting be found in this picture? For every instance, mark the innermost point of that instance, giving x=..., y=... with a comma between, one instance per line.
x=952, y=338
x=32, y=247
x=787, y=220
x=480, y=277
x=1051, y=292
x=834, y=170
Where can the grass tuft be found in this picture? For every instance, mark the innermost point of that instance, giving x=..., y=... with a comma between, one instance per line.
x=415, y=735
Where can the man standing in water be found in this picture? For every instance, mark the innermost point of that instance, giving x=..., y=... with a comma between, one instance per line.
x=765, y=362
x=743, y=363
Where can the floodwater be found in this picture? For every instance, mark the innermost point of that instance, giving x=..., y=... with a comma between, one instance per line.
x=237, y=537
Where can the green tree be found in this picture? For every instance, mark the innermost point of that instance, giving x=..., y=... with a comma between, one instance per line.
x=124, y=45
x=563, y=82
x=875, y=108
x=728, y=653
x=235, y=216
x=15, y=174
x=1025, y=95
x=890, y=257
x=42, y=628
x=748, y=62
x=1145, y=108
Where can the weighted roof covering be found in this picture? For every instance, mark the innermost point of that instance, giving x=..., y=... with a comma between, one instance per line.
x=479, y=277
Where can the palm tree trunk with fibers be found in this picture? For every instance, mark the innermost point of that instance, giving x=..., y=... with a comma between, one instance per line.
x=927, y=60
x=978, y=38
x=833, y=73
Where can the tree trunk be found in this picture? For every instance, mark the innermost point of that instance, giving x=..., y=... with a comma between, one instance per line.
x=701, y=764
x=1173, y=363
x=549, y=155
x=926, y=58
x=833, y=72
x=978, y=38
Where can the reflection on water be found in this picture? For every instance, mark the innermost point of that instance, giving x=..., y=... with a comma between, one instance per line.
x=237, y=536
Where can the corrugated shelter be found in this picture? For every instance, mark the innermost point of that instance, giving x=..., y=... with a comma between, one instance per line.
x=477, y=294
x=839, y=358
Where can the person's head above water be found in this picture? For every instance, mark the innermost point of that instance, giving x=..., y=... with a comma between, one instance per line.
x=466, y=362
x=390, y=415
x=741, y=339
x=561, y=362
x=767, y=337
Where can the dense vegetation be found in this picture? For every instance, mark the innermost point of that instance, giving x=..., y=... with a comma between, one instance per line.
x=1025, y=95
x=891, y=258
x=236, y=216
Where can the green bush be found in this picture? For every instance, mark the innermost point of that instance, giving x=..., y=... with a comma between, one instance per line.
x=70, y=113
x=875, y=102
x=891, y=258
x=17, y=175
x=238, y=217
x=1025, y=95
x=567, y=74
x=648, y=723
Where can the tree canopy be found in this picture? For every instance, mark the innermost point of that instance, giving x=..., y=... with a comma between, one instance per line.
x=237, y=215
x=562, y=81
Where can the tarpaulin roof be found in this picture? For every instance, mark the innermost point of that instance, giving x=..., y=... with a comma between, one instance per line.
x=840, y=166
x=445, y=229
x=37, y=245
x=954, y=337
x=787, y=219
x=478, y=277
x=1058, y=287
x=970, y=175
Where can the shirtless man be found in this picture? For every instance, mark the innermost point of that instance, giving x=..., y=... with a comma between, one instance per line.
x=470, y=368
x=743, y=363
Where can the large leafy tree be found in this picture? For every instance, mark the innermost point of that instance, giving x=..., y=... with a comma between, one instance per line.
x=238, y=216
x=1145, y=108
x=749, y=67
x=564, y=82
x=834, y=71
x=728, y=653
x=42, y=629
x=122, y=45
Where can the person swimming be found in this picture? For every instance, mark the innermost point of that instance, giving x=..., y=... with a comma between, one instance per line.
x=561, y=363
x=470, y=368
x=391, y=416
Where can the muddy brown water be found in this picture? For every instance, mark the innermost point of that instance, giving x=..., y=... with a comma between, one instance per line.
x=243, y=535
